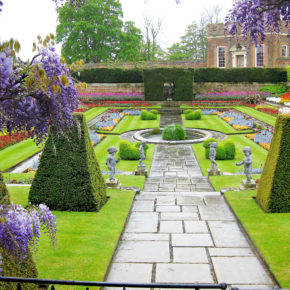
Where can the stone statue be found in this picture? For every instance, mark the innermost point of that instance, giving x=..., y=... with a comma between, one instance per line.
x=111, y=162
x=170, y=91
x=142, y=153
x=247, y=163
x=212, y=154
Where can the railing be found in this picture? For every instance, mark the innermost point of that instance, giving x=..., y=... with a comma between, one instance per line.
x=45, y=283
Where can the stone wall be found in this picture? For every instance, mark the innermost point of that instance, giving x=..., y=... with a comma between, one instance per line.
x=113, y=88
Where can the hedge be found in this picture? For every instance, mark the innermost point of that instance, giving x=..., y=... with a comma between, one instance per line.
x=10, y=267
x=110, y=75
x=226, y=150
x=193, y=115
x=173, y=132
x=288, y=73
x=69, y=177
x=130, y=151
x=145, y=115
x=154, y=80
x=273, y=192
x=236, y=75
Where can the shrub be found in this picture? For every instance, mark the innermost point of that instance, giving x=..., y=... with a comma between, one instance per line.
x=68, y=176
x=147, y=115
x=274, y=89
x=187, y=111
x=207, y=141
x=273, y=192
x=173, y=132
x=196, y=115
x=155, y=131
x=226, y=150
x=153, y=111
x=130, y=151
x=4, y=194
x=230, y=149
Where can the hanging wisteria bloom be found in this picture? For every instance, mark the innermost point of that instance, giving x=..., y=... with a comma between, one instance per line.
x=20, y=229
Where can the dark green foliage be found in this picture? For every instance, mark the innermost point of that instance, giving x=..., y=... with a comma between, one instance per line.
x=226, y=150
x=155, y=131
x=69, y=177
x=154, y=80
x=153, y=111
x=288, y=73
x=173, y=132
x=110, y=75
x=4, y=194
x=236, y=75
x=273, y=192
x=196, y=115
x=274, y=89
x=188, y=111
x=130, y=151
x=147, y=115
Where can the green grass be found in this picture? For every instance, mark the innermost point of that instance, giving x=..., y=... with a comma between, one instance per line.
x=266, y=118
x=85, y=240
x=123, y=165
x=18, y=176
x=16, y=153
x=270, y=232
x=129, y=180
x=234, y=181
x=19, y=194
x=94, y=112
x=211, y=122
x=259, y=155
x=129, y=123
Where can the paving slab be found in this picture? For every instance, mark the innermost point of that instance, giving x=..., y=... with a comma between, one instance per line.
x=143, y=205
x=168, y=208
x=144, y=196
x=145, y=222
x=240, y=270
x=216, y=213
x=165, y=200
x=179, y=216
x=195, y=227
x=171, y=227
x=231, y=252
x=191, y=240
x=227, y=234
x=145, y=237
x=150, y=187
x=183, y=273
x=189, y=208
x=190, y=200
x=143, y=252
x=189, y=255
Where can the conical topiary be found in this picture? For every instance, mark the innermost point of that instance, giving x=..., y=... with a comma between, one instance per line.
x=68, y=176
x=273, y=191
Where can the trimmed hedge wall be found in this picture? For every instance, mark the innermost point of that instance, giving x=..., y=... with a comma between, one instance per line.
x=11, y=268
x=273, y=192
x=237, y=75
x=69, y=177
x=110, y=75
x=154, y=80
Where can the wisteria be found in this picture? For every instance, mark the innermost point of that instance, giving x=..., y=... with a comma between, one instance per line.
x=20, y=229
x=256, y=17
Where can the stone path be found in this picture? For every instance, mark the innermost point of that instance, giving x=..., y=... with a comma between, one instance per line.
x=181, y=231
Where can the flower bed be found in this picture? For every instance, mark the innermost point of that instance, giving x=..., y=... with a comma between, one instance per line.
x=237, y=120
x=8, y=140
x=240, y=95
x=119, y=104
x=263, y=138
x=95, y=137
x=95, y=97
x=212, y=103
x=19, y=181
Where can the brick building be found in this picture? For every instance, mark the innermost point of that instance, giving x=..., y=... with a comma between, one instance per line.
x=226, y=51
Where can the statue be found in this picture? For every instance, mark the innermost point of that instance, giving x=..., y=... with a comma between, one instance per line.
x=170, y=91
x=111, y=162
x=247, y=163
x=213, y=170
x=142, y=153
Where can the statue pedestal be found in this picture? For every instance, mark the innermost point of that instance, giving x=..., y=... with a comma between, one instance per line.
x=141, y=170
x=113, y=183
x=213, y=171
x=248, y=185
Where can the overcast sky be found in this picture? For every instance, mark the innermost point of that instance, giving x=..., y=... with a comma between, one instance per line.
x=25, y=19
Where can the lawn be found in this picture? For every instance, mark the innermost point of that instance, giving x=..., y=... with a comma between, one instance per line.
x=123, y=165
x=94, y=112
x=266, y=118
x=270, y=232
x=259, y=155
x=17, y=153
x=130, y=123
x=211, y=122
x=85, y=240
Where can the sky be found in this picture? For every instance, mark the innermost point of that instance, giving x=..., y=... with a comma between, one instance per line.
x=25, y=19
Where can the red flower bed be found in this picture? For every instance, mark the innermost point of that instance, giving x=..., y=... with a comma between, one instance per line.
x=209, y=103
x=273, y=112
x=118, y=103
x=7, y=140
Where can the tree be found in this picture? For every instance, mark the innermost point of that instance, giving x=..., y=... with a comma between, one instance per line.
x=131, y=43
x=176, y=52
x=92, y=32
x=211, y=15
x=255, y=17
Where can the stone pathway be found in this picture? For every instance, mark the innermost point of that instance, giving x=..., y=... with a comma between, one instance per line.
x=181, y=231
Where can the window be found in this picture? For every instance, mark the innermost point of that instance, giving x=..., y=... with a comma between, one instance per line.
x=284, y=50
x=221, y=56
x=260, y=56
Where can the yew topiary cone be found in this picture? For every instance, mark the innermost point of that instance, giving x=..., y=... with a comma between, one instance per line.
x=69, y=177
x=273, y=191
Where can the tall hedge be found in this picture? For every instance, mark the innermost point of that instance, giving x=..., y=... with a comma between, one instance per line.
x=11, y=268
x=154, y=80
x=273, y=191
x=236, y=75
x=110, y=75
x=69, y=177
